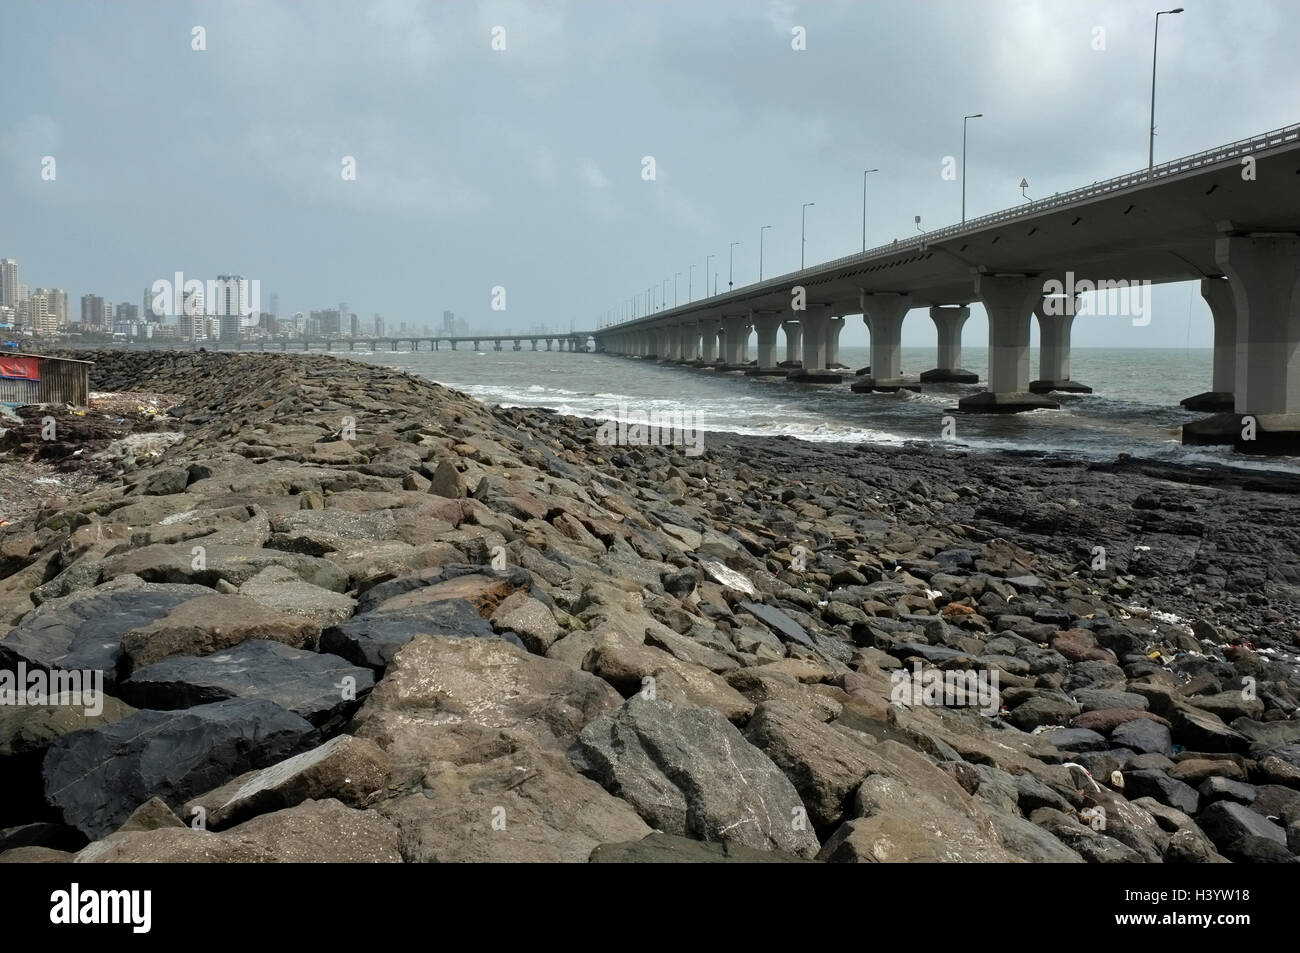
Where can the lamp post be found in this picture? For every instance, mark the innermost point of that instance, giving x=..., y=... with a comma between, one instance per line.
x=690, y=283
x=676, y=275
x=731, y=264
x=760, y=250
x=1151, y=141
x=963, y=162
x=864, y=206
x=707, y=259
x=803, y=231
x=663, y=299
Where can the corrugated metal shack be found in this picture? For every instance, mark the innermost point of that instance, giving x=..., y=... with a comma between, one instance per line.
x=40, y=379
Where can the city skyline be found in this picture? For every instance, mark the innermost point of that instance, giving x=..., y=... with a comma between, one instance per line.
x=393, y=186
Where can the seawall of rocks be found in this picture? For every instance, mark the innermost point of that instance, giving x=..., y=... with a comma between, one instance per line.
x=345, y=614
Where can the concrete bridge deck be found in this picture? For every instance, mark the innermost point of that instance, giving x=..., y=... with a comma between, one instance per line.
x=1228, y=217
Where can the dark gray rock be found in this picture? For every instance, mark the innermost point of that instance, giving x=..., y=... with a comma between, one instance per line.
x=689, y=771
x=1144, y=736
x=1156, y=784
x=779, y=622
x=1226, y=822
x=373, y=638
x=98, y=777
x=1076, y=739
x=84, y=631
x=1225, y=789
x=306, y=683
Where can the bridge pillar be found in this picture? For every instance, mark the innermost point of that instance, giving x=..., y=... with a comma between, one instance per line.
x=453, y=345
x=1010, y=302
x=1264, y=272
x=496, y=345
x=673, y=335
x=883, y=314
x=948, y=322
x=709, y=342
x=833, y=330
x=690, y=342
x=534, y=344
x=816, y=321
x=1054, y=346
x=765, y=325
x=735, y=337
x=793, y=342
x=1217, y=293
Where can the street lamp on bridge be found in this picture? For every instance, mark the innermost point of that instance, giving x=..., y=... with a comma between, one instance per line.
x=1151, y=141
x=963, y=162
x=690, y=284
x=676, y=275
x=731, y=264
x=865, y=173
x=803, y=230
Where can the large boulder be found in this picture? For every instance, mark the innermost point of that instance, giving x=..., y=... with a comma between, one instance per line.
x=351, y=770
x=527, y=806
x=84, y=631
x=689, y=771
x=98, y=777
x=826, y=763
x=373, y=638
x=209, y=624
x=452, y=700
x=312, y=832
x=321, y=688
x=908, y=809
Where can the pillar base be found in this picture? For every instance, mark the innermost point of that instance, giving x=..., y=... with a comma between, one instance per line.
x=942, y=375
x=1064, y=387
x=727, y=368
x=869, y=385
x=1211, y=402
x=1274, y=433
x=814, y=377
x=767, y=372
x=788, y=365
x=987, y=402
x=863, y=371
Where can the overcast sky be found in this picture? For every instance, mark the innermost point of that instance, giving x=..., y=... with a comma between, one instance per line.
x=522, y=168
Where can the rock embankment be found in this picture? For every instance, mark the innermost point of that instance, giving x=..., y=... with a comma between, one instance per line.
x=345, y=614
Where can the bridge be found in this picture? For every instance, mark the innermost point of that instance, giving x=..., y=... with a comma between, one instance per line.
x=1228, y=217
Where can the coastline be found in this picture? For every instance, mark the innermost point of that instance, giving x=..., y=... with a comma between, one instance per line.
x=770, y=590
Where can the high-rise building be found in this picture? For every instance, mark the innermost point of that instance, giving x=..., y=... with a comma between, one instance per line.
x=127, y=312
x=94, y=312
x=355, y=325
x=232, y=299
x=448, y=323
x=379, y=325
x=9, y=283
x=327, y=322
x=275, y=304
x=59, y=308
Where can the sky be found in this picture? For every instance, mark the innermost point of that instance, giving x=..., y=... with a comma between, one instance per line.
x=523, y=168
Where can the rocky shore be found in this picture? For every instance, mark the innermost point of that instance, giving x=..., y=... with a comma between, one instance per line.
x=345, y=614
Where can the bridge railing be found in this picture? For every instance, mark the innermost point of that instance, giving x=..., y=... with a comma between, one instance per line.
x=1198, y=160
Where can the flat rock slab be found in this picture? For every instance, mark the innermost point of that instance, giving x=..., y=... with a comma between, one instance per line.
x=316, y=686
x=312, y=832
x=30, y=728
x=98, y=777
x=689, y=771
x=780, y=623
x=209, y=624
x=280, y=589
x=84, y=631
x=348, y=769
x=235, y=564
x=373, y=638
x=483, y=588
